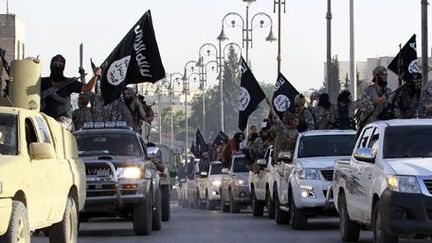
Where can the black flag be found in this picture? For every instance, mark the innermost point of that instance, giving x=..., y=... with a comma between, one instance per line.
x=200, y=144
x=283, y=96
x=220, y=139
x=405, y=63
x=136, y=59
x=251, y=94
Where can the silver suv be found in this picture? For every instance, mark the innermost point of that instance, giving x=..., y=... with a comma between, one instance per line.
x=121, y=180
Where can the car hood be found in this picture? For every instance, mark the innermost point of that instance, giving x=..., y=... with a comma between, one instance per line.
x=242, y=176
x=411, y=166
x=215, y=177
x=319, y=162
x=116, y=160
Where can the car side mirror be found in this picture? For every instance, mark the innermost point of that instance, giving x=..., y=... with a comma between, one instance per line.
x=261, y=162
x=365, y=155
x=41, y=151
x=203, y=174
x=225, y=171
x=285, y=156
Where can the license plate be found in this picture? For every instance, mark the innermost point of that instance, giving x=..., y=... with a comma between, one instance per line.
x=102, y=173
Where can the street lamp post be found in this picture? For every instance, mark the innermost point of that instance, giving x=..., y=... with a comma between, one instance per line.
x=279, y=4
x=171, y=94
x=247, y=32
x=185, y=79
x=329, y=17
x=424, y=33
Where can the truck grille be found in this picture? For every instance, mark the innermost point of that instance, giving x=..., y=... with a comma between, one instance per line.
x=327, y=174
x=428, y=184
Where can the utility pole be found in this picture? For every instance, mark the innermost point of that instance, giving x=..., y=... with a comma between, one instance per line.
x=352, y=56
x=424, y=32
x=329, y=64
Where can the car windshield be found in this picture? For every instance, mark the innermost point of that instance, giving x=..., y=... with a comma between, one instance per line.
x=8, y=134
x=240, y=165
x=326, y=145
x=407, y=142
x=216, y=169
x=108, y=144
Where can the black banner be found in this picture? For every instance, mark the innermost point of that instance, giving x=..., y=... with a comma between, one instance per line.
x=405, y=64
x=283, y=96
x=199, y=146
x=221, y=138
x=136, y=59
x=251, y=94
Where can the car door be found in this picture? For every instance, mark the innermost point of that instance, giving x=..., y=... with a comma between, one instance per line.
x=355, y=184
x=260, y=189
x=365, y=171
x=38, y=193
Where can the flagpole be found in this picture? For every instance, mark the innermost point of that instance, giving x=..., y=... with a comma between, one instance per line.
x=279, y=57
x=424, y=32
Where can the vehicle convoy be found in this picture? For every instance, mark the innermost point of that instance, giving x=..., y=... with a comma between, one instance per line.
x=42, y=180
x=209, y=187
x=121, y=180
x=386, y=185
x=161, y=154
x=260, y=185
x=234, y=189
x=310, y=175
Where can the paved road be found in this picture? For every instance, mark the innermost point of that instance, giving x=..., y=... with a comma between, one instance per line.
x=192, y=225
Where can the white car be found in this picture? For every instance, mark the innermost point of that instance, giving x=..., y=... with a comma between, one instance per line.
x=235, y=187
x=261, y=185
x=387, y=183
x=209, y=189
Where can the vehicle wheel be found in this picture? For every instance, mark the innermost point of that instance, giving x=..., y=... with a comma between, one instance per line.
x=257, y=206
x=210, y=205
x=19, y=228
x=281, y=217
x=349, y=230
x=165, y=191
x=379, y=234
x=157, y=212
x=270, y=206
x=298, y=216
x=66, y=231
x=224, y=207
x=143, y=215
x=234, y=207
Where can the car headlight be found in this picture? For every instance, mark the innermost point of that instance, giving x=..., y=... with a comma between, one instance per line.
x=407, y=184
x=239, y=182
x=216, y=183
x=129, y=172
x=308, y=174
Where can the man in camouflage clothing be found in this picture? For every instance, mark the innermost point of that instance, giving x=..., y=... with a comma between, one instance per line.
x=305, y=114
x=374, y=98
x=286, y=131
x=324, y=113
x=83, y=113
x=407, y=97
x=425, y=106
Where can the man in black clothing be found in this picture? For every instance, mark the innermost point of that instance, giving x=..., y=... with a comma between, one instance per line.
x=56, y=90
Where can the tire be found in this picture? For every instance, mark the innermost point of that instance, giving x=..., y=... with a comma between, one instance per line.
x=269, y=206
x=166, y=213
x=281, y=217
x=233, y=206
x=298, y=216
x=349, y=230
x=143, y=216
x=224, y=208
x=66, y=231
x=379, y=235
x=157, y=212
x=19, y=227
x=257, y=206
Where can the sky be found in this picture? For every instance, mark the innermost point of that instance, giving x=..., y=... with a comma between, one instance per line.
x=181, y=27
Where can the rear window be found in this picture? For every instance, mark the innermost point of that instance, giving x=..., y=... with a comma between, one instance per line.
x=216, y=169
x=108, y=144
x=8, y=136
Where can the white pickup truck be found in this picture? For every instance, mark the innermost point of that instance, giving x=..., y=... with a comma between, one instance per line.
x=386, y=186
x=310, y=174
x=209, y=187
